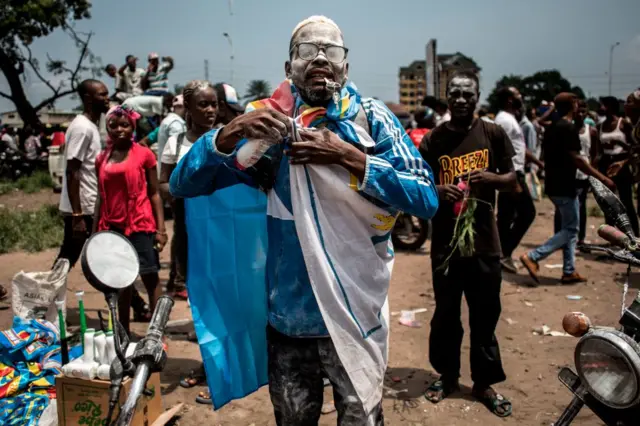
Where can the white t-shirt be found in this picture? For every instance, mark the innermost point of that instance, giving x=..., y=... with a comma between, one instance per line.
x=172, y=125
x=443, y=118
x=82, y=142
x=133, y=80
x=146, y=106
x=170, y=149
x=511, y=127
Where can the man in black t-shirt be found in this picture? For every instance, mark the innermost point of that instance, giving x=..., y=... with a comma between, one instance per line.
x=561, y=148
x=481, y=153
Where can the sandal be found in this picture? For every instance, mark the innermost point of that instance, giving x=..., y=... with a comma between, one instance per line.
x=3, y=293
x=194, y=378
x=440, y=389
x=496, y=403
x=204, y=398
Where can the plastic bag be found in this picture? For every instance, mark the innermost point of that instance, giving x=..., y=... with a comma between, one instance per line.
x=34, y=293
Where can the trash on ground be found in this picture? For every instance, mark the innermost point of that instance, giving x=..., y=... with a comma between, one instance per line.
x=529, y=304
x=510, y=321
x=415, y=311
x=546, y=331
x=574, y=297
x=553, y=265
x=408, y=318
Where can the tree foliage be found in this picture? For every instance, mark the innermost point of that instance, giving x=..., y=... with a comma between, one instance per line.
x=24, y=21
x=257, y=89
x=540, y=86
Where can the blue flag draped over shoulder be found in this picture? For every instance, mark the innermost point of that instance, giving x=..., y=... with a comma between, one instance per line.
x=227, y=243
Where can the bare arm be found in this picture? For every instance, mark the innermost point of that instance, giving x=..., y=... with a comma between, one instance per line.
x=73, y=184
x=169, y=60
x=596, y=149
x=154, y=196
x=96, y=214
x=165, y=175
x=121, y=70
x=588, y=169
x=531, y=158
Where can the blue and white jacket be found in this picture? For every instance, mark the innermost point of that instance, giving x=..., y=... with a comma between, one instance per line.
x=396, y=178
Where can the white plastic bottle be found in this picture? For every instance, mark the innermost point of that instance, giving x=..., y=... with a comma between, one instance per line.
x=89, y=347
x=100, y=344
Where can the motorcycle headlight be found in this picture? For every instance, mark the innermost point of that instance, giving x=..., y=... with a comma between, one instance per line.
x=608, y=362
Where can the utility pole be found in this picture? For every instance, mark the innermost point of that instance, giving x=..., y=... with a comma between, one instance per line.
x=206, y=70
x=613, y=46
x=228, y=37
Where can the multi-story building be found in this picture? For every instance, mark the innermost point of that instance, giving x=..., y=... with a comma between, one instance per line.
x=413, y=78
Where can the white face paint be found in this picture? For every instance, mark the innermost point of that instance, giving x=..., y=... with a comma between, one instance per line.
x=310, y=77
x=462, y=96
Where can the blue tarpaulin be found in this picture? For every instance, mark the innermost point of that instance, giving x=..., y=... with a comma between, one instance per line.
x=227, y=236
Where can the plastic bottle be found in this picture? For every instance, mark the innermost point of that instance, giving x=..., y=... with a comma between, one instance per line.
x=88, y=355
x=111, y=347
x=100, y=344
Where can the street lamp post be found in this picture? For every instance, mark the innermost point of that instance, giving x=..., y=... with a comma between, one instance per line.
x=228, y=37
x=613, y=46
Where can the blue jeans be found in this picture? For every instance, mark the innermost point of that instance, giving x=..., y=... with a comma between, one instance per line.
x=567, y=238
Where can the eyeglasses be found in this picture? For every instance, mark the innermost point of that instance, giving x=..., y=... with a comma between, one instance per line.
x=309, y=52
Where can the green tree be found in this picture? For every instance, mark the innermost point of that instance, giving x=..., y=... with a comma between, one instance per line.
x=23, y=21
x=257, y=89
x=538, y=87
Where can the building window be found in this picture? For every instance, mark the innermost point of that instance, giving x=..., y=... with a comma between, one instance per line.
x=404, y=93
x=11, y=116
x=412, y=102
x=412, y=94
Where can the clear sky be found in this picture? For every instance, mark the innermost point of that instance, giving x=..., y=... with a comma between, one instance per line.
x=503, y=36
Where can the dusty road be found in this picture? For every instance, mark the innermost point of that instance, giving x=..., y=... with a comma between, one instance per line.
x=531, y=361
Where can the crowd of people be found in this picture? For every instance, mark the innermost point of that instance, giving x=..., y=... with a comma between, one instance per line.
x=163, y=148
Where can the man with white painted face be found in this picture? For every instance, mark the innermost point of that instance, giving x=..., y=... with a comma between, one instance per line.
x=361, y=144
x=480, y=153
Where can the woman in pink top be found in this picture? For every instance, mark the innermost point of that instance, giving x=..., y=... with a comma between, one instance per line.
x=129, y=202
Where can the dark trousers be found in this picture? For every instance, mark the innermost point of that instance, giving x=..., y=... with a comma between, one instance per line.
x=516, y=213
x=479, y=278
x=583, y=191
x=624, y=184
x=297, y=367
x=178, y=273
x=72, y=244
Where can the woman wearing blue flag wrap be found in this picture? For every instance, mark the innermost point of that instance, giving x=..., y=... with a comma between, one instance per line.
x=337, y=170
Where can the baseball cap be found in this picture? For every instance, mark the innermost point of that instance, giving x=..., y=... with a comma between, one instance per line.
x=178, y=101
x=228, y=94
x=153, y=55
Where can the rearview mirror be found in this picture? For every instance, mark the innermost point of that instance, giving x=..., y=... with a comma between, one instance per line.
x=109, y=262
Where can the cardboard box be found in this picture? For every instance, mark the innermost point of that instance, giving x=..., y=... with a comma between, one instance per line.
x=86, y=402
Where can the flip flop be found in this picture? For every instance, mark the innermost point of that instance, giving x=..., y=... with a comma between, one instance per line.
x=440, y=390
x=194, y=378
x=495, y=402
x=204, y=398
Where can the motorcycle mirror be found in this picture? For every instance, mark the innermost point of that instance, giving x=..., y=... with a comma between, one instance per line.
x=109, y=262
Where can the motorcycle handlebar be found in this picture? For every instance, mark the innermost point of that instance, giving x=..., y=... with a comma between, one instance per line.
x=160, y=317
x=614, y=236
x=624, y=256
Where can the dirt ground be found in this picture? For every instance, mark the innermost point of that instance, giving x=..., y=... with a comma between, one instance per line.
x=531, y=361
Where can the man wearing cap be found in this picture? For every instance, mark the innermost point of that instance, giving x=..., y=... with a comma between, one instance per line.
x=370, y=159
x=131, y=76
x=562, y=157
x=156, y=79
x=229, y=106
